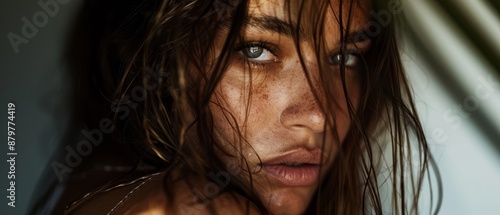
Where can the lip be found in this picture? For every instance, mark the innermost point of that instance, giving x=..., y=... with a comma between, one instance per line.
x=306, y=174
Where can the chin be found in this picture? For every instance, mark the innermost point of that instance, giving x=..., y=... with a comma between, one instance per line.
x=288, y=201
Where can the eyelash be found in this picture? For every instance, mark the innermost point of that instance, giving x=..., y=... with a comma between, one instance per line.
x=274, y=50
x=244, y=60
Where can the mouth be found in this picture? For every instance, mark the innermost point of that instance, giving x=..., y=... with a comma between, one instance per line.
x=297, y=168
x=296, y=175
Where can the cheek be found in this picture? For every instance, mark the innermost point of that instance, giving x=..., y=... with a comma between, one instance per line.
x=226, y=113
x=229, y=108
x=242, y=101
x=239, y=126
x=340, y=107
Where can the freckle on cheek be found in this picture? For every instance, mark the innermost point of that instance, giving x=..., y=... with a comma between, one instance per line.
x=294, y=110
x=265, y=96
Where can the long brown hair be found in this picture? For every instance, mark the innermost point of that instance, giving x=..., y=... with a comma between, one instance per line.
x=154, y=54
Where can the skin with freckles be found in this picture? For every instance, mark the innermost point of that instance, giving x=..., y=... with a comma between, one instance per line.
x=295, y=103
x=264, y=107
x=265, y=93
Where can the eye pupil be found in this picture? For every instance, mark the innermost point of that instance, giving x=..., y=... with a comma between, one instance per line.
x=348, y=59
x=339, y=58
x=254, y=49
x=253, y=52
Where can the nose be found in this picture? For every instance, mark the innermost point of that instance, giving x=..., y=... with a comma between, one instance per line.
x=303, y=112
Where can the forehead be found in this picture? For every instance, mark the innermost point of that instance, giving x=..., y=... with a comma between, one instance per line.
x=354, y=12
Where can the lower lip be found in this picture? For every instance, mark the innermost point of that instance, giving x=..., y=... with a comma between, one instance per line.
x=303, y=175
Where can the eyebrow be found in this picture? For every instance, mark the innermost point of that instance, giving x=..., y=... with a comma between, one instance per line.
x=280, y=26
x=275, y=25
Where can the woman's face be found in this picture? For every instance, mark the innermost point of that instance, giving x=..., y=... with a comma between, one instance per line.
x=265, y=95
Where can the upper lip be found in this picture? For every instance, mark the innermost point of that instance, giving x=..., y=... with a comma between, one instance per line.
x=300, y=155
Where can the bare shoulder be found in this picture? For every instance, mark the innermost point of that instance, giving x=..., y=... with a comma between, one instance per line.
x=144, y=195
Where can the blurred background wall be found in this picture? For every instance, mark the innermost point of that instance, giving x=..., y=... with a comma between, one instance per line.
x=452, y=56
x=34, y=78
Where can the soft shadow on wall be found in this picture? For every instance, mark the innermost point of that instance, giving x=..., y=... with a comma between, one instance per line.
x=452, y=56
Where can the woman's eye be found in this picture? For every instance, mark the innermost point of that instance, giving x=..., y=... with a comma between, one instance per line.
x=257, y=53
x=349, y=60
